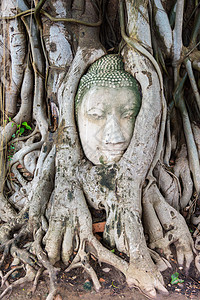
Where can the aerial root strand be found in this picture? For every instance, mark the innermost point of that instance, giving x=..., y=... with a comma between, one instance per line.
x=42, y=257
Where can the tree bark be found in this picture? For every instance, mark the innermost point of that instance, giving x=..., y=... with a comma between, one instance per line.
x=48, y=187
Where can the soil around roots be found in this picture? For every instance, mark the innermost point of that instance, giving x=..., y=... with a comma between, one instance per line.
x=76, y=285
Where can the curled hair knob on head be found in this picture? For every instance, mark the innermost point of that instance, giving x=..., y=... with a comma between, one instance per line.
x=107, y=71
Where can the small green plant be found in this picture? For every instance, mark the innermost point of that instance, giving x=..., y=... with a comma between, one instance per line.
x=20, y=130
x=175, y=279
x=11, y=151
x=6, y=121
x=101, y=160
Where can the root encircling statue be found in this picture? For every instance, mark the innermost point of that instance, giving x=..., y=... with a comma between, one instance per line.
x=100, y=110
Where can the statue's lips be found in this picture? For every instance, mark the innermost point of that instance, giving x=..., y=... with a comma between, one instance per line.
x=115, y=148
x=113, y=151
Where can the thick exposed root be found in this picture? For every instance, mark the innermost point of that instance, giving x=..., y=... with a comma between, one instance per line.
x=58, y=203
x=182, y=171
x=7, y=243
x=169, y=185
x=43, y=187
x=165, y=226
x=140, y=272
x=177, y=195
x=25, y=257
x=6, y=282
x=161, y=263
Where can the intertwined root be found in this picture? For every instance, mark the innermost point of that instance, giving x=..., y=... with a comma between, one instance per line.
x=31, y=258
x=165, y=226
x=70, y=229
x=30, y=275
x=140, y=272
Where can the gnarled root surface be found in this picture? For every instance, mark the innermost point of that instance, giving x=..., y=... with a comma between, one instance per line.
x=140, y=271
x=165, y=226
x=60, y=223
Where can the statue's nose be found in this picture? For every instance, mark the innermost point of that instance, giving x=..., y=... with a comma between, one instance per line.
x=112, y=133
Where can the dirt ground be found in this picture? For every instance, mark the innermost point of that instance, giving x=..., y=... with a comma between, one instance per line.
x=77, y=285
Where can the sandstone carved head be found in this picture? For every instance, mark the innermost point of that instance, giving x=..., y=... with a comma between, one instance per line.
x=107, y=103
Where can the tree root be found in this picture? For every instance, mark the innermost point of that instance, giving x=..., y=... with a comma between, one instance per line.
x=38, y=67
x=197, y=262
x=134, y=44
x=25, y=257
x=169, y=185
x=18, y=176
x=18, y=156
x=196, y=132
x=189, y=137
x=35, y=283
x=6, y=244
x=43, y=188
x=35, y=265
x=84, y=263
x=30, y=275
x=5, y=253
x=46, y=263
x=194, y=86
x=138, y=271
x=165, y=226
x=6, y=282
x=4, y=278
x=161, y=263
x=182, y=171
x=176, y=195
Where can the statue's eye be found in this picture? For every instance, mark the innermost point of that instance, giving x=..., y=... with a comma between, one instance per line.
x=128, y=114
x=96, y=114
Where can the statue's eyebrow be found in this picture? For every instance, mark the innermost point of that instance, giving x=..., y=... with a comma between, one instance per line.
x=92, y=105
x=130, y=106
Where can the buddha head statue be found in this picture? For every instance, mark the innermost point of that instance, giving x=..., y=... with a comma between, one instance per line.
x=107, y=103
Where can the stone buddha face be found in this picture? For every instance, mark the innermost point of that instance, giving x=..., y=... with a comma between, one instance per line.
x=107, y=104
x=106, y=118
